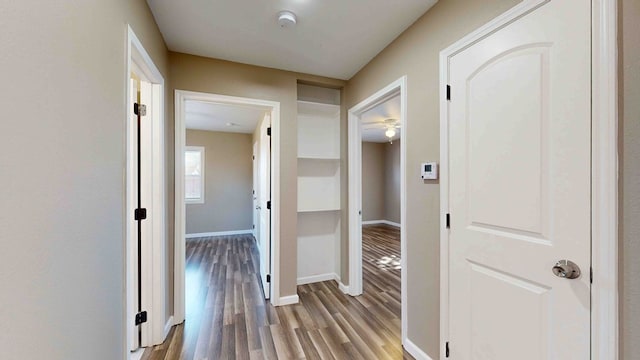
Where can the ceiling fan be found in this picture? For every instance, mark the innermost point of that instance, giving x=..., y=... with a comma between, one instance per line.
x=388, y=125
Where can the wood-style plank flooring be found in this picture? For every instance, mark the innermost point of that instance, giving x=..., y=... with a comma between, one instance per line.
x=228, y=318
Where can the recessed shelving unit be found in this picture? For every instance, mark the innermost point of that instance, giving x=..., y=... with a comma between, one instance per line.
x=318, y=184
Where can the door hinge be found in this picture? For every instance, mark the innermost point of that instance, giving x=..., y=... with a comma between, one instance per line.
x=446, y=349
x=141, y=317
x=140, y=214
x=139, y=109
x=269, y=205
x=449, y=92
x=448, y=221
x=591, y=275
x=254, y=226
x=269, y=131
x=253, y=157
x=268, y=278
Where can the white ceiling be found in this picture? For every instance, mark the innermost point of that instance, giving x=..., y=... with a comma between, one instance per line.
x=217, y=117
x=333, y=38
x=375, y=120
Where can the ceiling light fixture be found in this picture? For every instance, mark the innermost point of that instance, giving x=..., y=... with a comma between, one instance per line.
x=287, y=19
x=390, y=133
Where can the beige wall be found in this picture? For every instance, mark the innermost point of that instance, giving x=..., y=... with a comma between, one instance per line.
x=381, y=181
x=629, y=62
x=392, y=181
x=416, y=54
x=228, y=178
x=62, y=142
x=373, y=181
x=222, y=77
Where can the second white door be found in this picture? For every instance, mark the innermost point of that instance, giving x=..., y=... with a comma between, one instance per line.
x=520, y=150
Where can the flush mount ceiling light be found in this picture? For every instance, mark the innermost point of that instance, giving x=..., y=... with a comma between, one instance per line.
x=287, y=19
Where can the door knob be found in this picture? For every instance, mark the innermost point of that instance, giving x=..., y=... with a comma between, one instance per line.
x=566, y=269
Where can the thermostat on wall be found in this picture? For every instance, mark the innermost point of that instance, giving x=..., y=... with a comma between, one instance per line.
x=429, y=171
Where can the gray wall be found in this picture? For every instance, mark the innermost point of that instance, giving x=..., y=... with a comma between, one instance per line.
x=228, y=203
x=415, y=53
x=381, y=181
x=629, y=57
x=373, y=179
x=392, y=182
x=62, y=142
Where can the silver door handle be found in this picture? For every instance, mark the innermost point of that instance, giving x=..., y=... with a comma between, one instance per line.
x=258, y=207
x=566, y=269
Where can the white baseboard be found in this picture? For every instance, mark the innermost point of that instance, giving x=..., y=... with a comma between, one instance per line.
x=324, y=277
x=414, y=350
x=316, y=278
x=136, y=355
x=219, y=233
x=289, y=300
x=386, y=222
x=167, y=326
x=344, y=288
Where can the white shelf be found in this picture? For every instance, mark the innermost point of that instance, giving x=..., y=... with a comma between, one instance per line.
x=317, y=210
x=317, y=158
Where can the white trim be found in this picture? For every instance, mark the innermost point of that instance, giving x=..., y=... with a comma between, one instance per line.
x=180, y=140
x=344, y=288
x=153, y=272
x=318, y=278
x=136, y=355
x=355, y=190
x=604, y=234
x=604, y=306
x=324, y=277
x=288, y=300
x=201, y=150
x=376, y=222
x=414, y=350
x=218, y=233
x=168, y=325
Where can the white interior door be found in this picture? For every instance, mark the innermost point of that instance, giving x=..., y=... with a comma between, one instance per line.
x=264, y=241
x=520, y=128
x=132, y=299
x=256, y=183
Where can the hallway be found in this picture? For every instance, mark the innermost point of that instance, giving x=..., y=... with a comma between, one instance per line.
x=227, y=317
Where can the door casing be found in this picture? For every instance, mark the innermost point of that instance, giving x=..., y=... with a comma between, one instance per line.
x=181, y=96
x=355, y=288
x=604, y=290
x=153, y=272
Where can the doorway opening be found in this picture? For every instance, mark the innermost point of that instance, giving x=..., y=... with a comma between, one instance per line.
x=377, y=127
x=226, y=161
x=146, y=317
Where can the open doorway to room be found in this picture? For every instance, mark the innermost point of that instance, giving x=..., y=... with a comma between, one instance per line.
x=377, y=198
x=226, y=228
x=381, y=255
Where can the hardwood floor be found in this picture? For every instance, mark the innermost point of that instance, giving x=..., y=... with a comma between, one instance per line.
x=228, y=318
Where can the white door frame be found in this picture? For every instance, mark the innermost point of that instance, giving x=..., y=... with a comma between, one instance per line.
x=604, y=290
x=355, y=190
x=181, y=96
x=154, y=246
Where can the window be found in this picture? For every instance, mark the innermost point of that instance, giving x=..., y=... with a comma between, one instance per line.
x=194, y=175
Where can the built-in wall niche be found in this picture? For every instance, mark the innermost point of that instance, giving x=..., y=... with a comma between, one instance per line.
x=318, y=130
x=318, y=246
x=318, y=185
x=319, y=172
